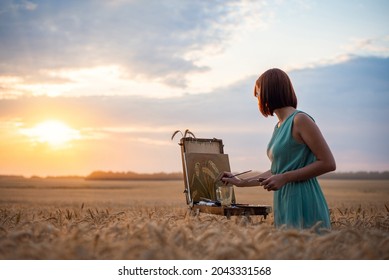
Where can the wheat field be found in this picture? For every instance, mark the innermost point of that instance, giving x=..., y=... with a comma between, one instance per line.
x=77, y=219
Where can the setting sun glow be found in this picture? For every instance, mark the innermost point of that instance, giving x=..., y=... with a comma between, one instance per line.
x=55, y=133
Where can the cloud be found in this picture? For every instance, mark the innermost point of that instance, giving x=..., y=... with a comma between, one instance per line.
x=377, y=46
x=151, y=40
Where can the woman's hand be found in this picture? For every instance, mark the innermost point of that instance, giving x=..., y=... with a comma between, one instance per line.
x=229, y=178
x=274, y=182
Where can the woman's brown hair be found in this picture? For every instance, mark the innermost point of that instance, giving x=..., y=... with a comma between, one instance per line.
x=274, y=90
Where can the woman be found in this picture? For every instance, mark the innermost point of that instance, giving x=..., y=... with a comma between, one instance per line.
x=298, y=154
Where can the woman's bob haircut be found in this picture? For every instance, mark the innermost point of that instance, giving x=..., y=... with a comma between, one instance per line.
x=274, y=90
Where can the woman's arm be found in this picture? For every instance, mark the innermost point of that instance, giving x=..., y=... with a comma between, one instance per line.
x=305, y=131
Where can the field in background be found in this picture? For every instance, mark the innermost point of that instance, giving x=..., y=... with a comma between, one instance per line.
x=78, y=219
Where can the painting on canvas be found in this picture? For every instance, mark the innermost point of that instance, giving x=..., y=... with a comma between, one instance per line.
x=202, y=171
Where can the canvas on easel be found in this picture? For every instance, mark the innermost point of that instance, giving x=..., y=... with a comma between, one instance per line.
x=203, y=171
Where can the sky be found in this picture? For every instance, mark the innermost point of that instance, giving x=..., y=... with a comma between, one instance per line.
x=102, y=85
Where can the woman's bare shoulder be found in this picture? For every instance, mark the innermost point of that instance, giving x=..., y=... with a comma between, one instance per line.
x=302, y=119
x=304, y=127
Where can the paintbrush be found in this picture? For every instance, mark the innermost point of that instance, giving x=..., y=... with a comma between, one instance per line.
x=233, y=175
x=241, y=173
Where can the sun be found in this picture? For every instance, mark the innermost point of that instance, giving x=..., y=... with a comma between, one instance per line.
x=52, y=132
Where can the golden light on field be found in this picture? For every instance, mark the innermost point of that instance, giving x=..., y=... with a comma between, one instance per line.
x=52, y=132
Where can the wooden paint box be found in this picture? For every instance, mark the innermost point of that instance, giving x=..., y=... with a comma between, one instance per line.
x=203, y=160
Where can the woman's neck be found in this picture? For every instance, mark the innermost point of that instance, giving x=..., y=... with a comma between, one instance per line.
x=283, y=113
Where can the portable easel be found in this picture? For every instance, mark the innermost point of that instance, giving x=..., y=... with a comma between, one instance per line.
x=205, y=202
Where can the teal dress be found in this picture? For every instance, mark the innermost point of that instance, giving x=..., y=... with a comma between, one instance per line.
x=298, y=204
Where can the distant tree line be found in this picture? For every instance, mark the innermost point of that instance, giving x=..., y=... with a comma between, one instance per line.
x=109, y=175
